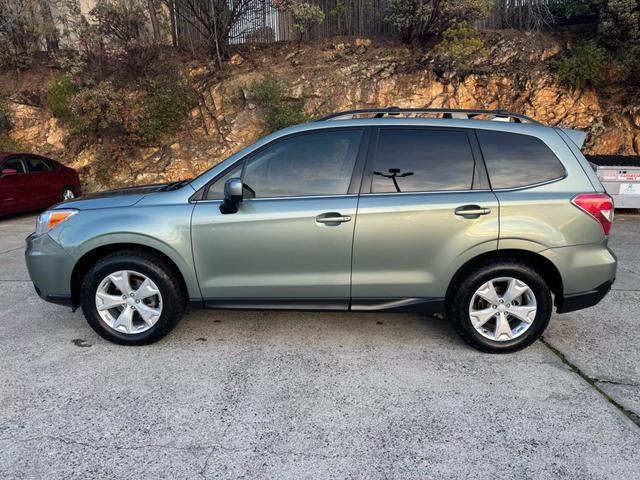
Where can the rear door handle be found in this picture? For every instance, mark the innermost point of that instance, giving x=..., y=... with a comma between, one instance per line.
x=471, y=211
x=332, y=217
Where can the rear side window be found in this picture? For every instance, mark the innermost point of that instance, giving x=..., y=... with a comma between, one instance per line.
x=38, y=165
x=515, y=160
x=422, y=160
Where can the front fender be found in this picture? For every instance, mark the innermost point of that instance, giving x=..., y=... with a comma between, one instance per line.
x=166, y=229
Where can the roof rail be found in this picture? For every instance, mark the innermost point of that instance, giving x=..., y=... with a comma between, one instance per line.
x=502, y=115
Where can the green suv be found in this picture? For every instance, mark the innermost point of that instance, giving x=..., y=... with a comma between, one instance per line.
x=486, y=216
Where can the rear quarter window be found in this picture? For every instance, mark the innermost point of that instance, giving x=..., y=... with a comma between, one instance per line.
x=515, y=160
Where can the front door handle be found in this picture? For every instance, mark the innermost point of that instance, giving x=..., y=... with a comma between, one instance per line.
x=332, y=218
x=471, y=211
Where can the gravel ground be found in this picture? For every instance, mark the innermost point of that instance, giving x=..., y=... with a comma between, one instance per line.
x=278, y=395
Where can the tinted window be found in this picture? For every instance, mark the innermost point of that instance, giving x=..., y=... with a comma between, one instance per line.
x=216, y=189
x=15, y=164
x=420, y=160
x=515, y=160
x=320, y=163
x=53, y=165
x=38, y=165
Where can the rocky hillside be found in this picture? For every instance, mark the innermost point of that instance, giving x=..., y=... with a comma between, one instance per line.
x=332, y=75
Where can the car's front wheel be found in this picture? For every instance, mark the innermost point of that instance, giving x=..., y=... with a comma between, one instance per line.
x=132, y=298
x=501, y=306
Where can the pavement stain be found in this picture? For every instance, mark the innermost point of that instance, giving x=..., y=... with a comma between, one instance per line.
x=80, y=342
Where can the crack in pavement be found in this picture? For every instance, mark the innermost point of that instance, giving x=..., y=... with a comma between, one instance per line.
x=69, y=441
x=614, y=382
x=630, y=414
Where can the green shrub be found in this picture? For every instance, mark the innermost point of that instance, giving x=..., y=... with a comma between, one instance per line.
x=164, y=107
x=7, y=144
x=96, y=109
x=629, y=65
x=5, y=120
x=59, y=95
x=270, y=95
x=581, y=66
x=461, y=46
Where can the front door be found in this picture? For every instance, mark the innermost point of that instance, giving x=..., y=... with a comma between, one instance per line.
x=290, y=242
x=425, y=209
x=15, y=193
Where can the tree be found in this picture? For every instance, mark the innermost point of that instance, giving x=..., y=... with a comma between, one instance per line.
x=215, y=19
x=305, y=15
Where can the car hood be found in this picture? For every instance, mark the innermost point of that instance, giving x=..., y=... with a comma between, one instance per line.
x=122, y=197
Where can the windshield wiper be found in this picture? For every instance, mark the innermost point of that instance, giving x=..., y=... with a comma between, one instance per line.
x=175, y=185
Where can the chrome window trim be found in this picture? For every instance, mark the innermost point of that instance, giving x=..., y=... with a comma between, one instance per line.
x=427, y=192
x=533, y=185
x=299, y=197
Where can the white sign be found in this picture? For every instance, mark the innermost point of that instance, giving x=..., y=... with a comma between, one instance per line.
x=629, y=176
x=630, y=189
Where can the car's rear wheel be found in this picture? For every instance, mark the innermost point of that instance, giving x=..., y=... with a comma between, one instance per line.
x=501, y=306
x=132, y=298
x=67, y=193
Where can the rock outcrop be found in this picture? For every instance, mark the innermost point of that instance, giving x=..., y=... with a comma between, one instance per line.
x=346, y=74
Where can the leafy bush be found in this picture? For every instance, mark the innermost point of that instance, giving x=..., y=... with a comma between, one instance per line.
x=270, y=94
x=59, y=95
x=117, y=43
x=7, y=144
x=619, y=22
x=165, y=105
x=581, y=66
x=96, y=109
x=629, y=65
x=5, y=120
x=461, y=46
x=421, y=19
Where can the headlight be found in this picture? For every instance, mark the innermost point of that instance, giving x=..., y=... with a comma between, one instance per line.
x=49, y=219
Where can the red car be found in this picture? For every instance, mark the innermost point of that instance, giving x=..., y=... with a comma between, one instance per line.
x=31, y=182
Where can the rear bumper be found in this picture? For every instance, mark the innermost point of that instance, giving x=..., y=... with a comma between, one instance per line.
x=578, y=301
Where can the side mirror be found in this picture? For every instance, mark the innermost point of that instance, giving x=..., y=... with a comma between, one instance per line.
x=233, y=189
x=7, y=172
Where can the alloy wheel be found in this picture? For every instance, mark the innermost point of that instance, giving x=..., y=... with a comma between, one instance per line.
x=67, y=194
x=128, y=302
x=503, y=309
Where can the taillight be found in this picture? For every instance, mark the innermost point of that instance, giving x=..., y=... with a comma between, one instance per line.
x=598, y=205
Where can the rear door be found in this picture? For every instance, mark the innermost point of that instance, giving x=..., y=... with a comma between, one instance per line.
x=425, y=209
x=46, y=182
x=290, y=244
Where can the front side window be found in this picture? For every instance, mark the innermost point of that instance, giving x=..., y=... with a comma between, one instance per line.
x=15, y=164
x=422, y=160
x=38, y=165
x=515, y=160
x=216, y=189
x=318, y=163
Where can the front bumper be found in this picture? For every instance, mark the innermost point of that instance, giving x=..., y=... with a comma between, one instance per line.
x=49, y=267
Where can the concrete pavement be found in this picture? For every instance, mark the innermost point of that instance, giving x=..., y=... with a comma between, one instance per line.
x=278, y=395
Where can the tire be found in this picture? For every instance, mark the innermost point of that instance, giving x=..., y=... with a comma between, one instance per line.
x=67, y=193
x=171, y=297
x=466, y=289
